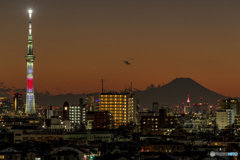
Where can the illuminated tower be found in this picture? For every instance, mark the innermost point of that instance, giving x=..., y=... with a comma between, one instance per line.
x=187, y=107
x=30, y=98
x=188, y=101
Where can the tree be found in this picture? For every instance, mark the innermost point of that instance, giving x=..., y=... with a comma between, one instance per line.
x=151, y=86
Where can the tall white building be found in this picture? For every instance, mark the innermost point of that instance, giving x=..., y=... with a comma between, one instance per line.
x=74, y=114
x=224, y=117
x=77, y=114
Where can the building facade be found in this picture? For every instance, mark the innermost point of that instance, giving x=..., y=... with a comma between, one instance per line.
x=122, y=106
x=224, y=118
x=153, y=124
x=18, y=102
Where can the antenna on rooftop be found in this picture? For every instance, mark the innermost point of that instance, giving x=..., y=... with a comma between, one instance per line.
x=102, y=80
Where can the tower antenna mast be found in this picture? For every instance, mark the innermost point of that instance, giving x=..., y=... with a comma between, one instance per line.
x=102, y=80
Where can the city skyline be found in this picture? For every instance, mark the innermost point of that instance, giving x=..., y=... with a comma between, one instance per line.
x=79, y=43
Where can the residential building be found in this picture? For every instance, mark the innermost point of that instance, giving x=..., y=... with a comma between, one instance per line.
x=155, y=123
x=122, y=106
x=224, y=118
x=149, y=124
x=99, y=120
x=140, y=115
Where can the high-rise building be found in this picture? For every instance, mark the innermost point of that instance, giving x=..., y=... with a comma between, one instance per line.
x=234, y=105
x=122, y=106
x=18, y=101
x=224, y=118
x=30, y=98
x=89, y=101
x=74, y=114
x=77, y=113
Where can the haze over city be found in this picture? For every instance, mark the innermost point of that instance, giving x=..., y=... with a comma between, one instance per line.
x=143, y=42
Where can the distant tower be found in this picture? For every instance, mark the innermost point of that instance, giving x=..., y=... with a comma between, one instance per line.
x=30, y=98
x=188, y=101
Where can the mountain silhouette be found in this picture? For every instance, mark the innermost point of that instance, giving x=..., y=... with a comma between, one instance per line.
x=172, y=93
x=176, y=93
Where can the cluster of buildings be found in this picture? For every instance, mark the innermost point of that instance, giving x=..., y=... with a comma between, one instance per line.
x=112, y=127
x=77, y=132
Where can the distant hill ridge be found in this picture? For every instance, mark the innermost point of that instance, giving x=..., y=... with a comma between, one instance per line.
x=172, y=93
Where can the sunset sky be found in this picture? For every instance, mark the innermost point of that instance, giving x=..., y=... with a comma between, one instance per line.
x=77, y=43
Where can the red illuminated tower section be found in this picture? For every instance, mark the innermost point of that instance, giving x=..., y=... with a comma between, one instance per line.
x=188, y=101
x=30, y=98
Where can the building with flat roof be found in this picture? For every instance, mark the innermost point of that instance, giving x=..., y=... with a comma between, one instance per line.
x=224, y=118
x=122, y=106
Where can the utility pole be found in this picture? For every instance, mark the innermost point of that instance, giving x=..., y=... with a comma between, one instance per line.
x=102, y=80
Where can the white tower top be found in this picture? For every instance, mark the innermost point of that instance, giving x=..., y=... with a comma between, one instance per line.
x=30, y=24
